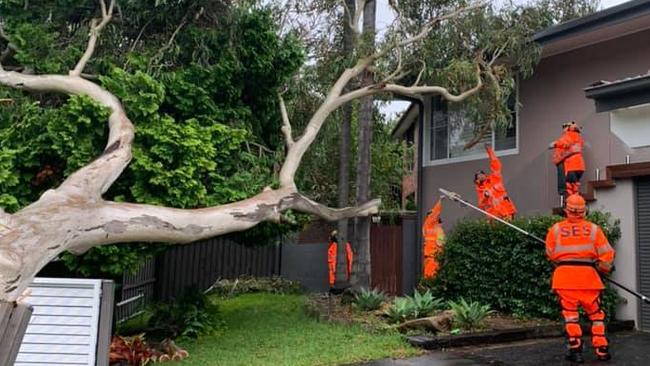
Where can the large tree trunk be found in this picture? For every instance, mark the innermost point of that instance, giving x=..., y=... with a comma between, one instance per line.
x=345, y=147
x=362, y=272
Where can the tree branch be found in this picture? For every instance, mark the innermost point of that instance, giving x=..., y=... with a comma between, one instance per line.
x=96, y=26
x=95, y=178
x=412, y=91
x=114, y=222
x=286, y=124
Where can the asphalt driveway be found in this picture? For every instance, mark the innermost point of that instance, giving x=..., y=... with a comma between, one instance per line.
x=628, y=349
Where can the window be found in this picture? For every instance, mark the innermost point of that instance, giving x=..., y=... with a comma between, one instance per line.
x=450, y=130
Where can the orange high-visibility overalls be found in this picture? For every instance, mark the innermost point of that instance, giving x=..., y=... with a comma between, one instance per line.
x=579, y=247
x=492, y=195
x=568, y=151
x=434, y=236
x=331, y=261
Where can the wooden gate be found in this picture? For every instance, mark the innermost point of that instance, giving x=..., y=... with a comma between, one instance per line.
x=386, y=258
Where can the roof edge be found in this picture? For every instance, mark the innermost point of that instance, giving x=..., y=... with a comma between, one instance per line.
x=600, y=19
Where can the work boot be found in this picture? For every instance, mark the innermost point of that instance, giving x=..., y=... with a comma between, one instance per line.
x=575, y=352
x=603, y=353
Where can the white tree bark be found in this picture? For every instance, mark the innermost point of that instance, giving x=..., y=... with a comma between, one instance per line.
x=74, y=216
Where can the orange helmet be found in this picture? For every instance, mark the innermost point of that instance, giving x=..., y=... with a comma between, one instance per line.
x=576, y=205
x=571, y=126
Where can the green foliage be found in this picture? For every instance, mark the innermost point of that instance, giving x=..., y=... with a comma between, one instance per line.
x=369, y=300
x=425, y=303
x=469, y=315
x=492, y=264
x=203, y=103
x=110, y=260
x=190, y=316
x=401, y=309
x=244, y=285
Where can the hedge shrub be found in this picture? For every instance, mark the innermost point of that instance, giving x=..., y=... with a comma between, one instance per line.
x=494, y=264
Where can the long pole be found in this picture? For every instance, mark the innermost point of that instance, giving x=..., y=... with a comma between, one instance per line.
x=456, y=197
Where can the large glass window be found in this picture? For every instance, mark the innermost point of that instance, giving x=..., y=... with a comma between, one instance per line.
x=450, y=130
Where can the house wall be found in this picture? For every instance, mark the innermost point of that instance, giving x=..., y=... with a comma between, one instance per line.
x=554, y=94
x=620, y=203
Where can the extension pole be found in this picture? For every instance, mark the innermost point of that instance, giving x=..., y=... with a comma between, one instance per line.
x=456, y=197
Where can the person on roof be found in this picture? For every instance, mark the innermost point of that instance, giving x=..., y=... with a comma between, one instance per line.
x=491, y=193
x=580, y=251
x=567, y=156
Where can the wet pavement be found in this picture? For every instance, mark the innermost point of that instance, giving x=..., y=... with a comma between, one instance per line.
x=628, y=349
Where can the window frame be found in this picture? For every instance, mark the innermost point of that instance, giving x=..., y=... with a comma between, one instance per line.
x=426, y=151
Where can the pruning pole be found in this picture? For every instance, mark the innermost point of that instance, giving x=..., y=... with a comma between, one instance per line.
x=456, y=197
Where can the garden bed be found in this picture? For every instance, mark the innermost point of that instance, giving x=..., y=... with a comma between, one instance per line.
x=496, y=328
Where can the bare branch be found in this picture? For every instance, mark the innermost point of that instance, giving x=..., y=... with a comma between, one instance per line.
x=424, y=67
x=127, y=222
x=169, y=43
x=137, y=39
x=413, y=91
x=96, y=26
x=398, y=70
x=286, y=124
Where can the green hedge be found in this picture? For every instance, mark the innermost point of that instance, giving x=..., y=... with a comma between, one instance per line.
x=494, y=264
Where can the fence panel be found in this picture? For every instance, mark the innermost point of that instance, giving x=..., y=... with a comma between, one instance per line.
x=201, y=264
x=137, y=291
x=386, y=258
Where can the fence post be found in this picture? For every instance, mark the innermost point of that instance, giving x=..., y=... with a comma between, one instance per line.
x=13, y=324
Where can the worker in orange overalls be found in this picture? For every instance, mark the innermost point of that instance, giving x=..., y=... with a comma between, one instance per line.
x=567, y=156
x=332, y=257
x=434, y=237
x=580, y=250
x=492, y=195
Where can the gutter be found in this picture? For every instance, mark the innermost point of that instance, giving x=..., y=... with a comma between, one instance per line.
x=601, y=19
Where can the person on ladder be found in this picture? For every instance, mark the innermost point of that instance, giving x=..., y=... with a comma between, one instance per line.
x=434, y=237
x=580, y=251
x=567, y=156
x=492, y=195
x=332, y=252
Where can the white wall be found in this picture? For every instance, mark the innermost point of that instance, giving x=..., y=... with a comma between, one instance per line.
x=632, y=125
x=619, y=201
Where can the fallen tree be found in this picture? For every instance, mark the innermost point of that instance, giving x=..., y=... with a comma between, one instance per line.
x=75, y=217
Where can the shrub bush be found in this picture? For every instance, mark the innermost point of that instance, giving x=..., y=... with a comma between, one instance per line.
x=469, y=315
x=244, y=285
x=425, y=303
x=493, y=264
x=369, y=300
x=400, y=310
x=191, y=315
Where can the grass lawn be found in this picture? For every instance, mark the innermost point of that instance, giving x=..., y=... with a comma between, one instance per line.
x=267, y=329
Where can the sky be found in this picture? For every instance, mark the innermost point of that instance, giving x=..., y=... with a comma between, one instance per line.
x=384, y=17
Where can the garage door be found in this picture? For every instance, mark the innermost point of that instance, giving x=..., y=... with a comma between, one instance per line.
x=643, y=239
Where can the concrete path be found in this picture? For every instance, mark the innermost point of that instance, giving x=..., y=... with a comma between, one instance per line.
x=628, y=349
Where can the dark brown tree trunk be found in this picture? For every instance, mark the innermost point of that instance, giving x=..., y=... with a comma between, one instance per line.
x=362, y=273
x=344, y=146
